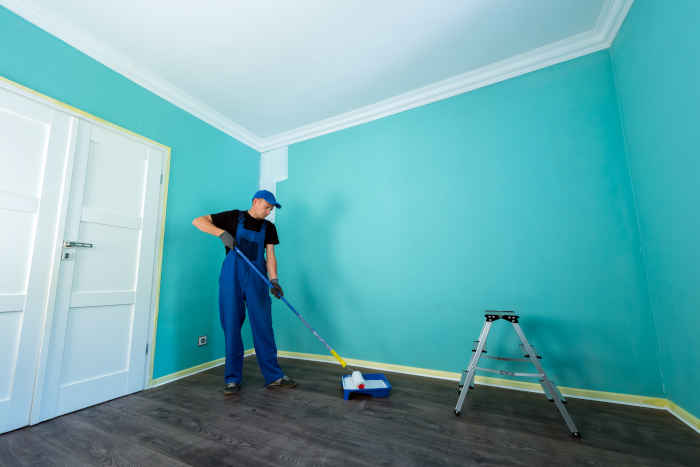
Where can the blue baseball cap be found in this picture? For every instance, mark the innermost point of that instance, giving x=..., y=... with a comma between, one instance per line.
x=267, y=196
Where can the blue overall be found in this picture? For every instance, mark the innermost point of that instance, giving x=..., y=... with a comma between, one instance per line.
x=240, y=286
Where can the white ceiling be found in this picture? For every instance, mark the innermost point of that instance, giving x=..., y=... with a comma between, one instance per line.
x=272, y=71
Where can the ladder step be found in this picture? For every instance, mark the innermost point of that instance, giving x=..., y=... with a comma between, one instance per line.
x=527, y=355
x=508, y=359
x=512, y=373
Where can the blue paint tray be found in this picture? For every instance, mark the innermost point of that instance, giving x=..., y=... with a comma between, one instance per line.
x=376, y=385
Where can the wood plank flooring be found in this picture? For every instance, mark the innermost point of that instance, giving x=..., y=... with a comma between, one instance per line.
x=190, y=423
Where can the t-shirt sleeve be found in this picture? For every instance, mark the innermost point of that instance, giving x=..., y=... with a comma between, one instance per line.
x=226, y=220
x=271, y=234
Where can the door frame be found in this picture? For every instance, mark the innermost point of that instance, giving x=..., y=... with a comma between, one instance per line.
x=48, y=313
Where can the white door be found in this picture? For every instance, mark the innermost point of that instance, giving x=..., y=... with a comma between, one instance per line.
x=97, y=350
x=35, y=158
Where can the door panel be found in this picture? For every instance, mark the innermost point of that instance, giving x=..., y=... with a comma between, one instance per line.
x=10, y=329
x=115, y=257
x=98, y=344
x=35, y=161
x=103, y=333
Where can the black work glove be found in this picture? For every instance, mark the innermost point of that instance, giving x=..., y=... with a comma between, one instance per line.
x=276, y=289
x=228, y=240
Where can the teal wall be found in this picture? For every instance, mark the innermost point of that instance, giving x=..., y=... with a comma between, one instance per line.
x=657, y=72
x=210, y=172
x=397, y=234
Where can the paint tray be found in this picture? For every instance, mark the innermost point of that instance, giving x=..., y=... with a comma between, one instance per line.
x=376, y=385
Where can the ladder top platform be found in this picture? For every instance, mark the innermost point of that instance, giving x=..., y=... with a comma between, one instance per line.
x=493, y=315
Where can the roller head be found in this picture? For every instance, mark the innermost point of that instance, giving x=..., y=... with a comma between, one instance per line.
x=358, y=379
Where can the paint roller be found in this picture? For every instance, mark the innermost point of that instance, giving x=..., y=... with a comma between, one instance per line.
x=358, y=379
x=356, y=375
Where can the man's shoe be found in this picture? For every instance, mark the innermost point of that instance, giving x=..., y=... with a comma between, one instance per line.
x=284, y=382
x=231, y=388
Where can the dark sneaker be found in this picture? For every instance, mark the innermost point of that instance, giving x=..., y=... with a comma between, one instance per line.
x=231, y=388
x=284, y=382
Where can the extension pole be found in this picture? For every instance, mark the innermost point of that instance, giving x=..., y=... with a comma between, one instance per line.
x=313, y=331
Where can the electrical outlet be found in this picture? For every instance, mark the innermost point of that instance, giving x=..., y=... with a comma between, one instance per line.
x=202, y=341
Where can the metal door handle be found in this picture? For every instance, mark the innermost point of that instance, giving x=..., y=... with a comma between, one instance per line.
x=68, y=244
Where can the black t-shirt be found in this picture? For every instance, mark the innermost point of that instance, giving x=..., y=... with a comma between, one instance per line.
x=228, y=220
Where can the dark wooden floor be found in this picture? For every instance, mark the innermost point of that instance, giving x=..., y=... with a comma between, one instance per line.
x=189, y=422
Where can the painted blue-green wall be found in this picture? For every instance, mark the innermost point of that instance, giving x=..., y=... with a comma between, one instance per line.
x=397, y=234
x=210, y=171
x=657, y=71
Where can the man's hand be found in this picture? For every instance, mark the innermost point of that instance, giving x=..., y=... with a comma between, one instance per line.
x=276, y=289
x=228, y=240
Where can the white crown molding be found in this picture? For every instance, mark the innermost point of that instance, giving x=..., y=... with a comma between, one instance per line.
x=610, y=21
x=600, y=37
x=118, y=62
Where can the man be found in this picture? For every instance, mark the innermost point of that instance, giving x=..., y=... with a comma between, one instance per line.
x=240, y=286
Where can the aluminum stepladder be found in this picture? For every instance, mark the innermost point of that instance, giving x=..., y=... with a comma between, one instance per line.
x=549, y=388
